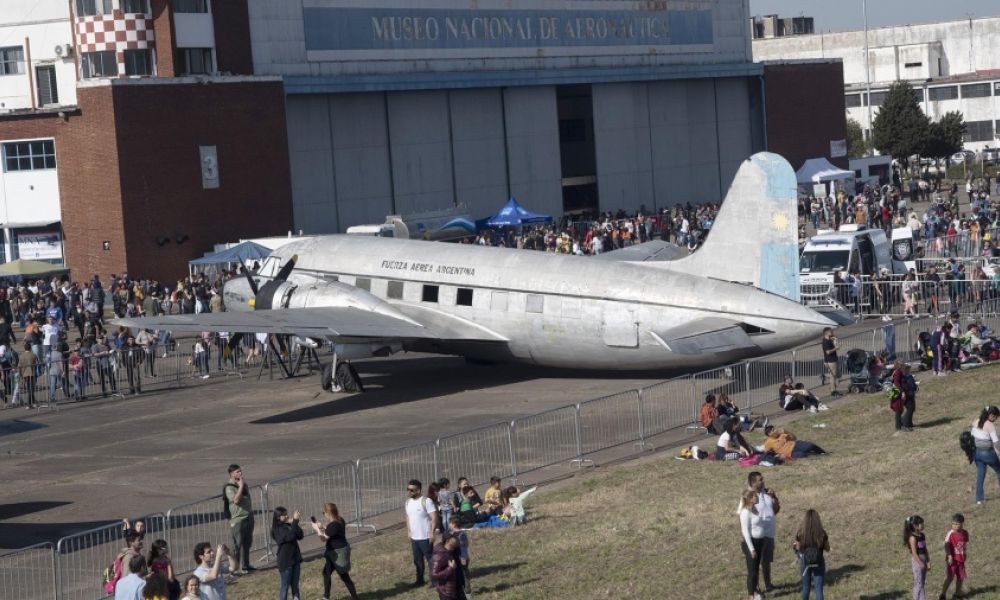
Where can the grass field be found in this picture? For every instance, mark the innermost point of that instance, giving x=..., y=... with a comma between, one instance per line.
x=667, y=529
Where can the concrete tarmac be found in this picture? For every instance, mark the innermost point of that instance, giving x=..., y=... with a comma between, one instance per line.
x=94, y=462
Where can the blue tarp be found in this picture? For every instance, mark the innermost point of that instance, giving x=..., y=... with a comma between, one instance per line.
x=238, y=253
x=512, y=215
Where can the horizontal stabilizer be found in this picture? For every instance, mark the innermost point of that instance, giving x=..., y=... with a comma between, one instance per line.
x=652, y=251
x=318, y=322
x=705, y=336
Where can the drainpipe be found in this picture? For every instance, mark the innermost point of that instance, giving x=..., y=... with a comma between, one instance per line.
x=31, y=76
x=763, y=108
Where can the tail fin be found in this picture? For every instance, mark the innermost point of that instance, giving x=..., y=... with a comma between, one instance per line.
x=755, y=235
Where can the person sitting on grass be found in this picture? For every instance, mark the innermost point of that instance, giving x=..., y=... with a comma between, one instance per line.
x=731, y=444
x=469, y=506
x=708, y=414
x=797, y=397
x=516, y=499
x=786, y=445
x=748, y=422
x=494, y=502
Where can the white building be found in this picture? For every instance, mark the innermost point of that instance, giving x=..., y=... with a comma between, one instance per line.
x=954, y=66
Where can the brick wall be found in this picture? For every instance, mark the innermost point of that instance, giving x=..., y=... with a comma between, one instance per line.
x=129, y=172
x=159, y=131
x=805, y=110
x=163, y=27
x=232, y=36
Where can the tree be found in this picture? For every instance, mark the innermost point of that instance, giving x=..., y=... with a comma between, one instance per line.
x=856, y=144
x=901, y=129
x=945, y=136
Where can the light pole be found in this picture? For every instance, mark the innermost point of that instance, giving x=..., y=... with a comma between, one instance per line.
x=868, y=80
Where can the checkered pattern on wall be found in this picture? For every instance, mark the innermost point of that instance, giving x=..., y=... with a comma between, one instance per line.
x=104, y=32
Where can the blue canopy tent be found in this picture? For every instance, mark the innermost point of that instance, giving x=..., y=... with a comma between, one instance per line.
x=513, y=215
x=240, y=253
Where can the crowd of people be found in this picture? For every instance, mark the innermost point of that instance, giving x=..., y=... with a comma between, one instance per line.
x=684, y=225
x=437, y=523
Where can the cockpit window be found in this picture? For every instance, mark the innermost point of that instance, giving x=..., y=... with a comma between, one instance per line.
x=270, y=267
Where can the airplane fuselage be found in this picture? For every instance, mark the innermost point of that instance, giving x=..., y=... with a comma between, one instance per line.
x=541, y=308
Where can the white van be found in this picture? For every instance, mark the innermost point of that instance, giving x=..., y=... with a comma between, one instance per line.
x=853, y=249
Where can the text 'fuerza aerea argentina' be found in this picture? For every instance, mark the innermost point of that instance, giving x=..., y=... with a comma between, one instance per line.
x=421, y=267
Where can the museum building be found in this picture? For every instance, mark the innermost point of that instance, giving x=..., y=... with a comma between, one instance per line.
x=401, y=107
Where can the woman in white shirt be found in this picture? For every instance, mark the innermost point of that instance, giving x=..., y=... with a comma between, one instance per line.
x=731, y=444
x=752, y=530
x=984, y=432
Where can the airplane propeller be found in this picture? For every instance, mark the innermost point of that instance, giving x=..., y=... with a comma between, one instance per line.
x=263, y=298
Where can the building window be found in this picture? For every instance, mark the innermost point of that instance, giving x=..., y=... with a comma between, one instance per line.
x=535, y=303
x=395, y=290
x=430, y=293
x=913, y=65
x=11, y=60
x=918, y=95
x=89, y=8
x=190, y=6
x=363, y=283
x=138, y=62
x=978, y=131
x=98, y=64
x=47, y=90
x=852, y=100
x=936, y=94
x=464, y=297
x=137, y=7
x=877, y=98
x=34, y=155
x=194, y=61
x=976, y=90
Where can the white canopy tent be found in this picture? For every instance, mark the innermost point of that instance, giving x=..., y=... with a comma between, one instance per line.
x=820, y=170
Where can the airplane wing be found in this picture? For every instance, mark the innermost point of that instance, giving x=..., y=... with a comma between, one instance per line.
x=318, y=322
x=653, y=251
x=707, y=335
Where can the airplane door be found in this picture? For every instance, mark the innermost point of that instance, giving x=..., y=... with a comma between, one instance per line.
x=619, y=327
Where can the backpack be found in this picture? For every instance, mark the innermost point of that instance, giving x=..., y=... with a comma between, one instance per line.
x=225, y=502
x=968, y=445
x=112, y=574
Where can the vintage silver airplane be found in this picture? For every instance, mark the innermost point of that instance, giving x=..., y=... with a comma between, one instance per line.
x=737, y=297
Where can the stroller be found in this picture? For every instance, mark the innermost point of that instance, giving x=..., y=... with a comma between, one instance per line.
x=924, y=351
x=859, y=367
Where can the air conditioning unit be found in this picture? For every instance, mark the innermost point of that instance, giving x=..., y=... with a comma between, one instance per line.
x=64, y=50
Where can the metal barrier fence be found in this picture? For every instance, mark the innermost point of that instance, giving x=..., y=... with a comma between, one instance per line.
x=31, y=572
x=203, y=521
x=373, y=486
x=82, y=558
x=892, y=297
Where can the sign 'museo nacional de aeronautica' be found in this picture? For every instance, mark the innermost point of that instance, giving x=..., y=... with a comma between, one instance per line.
x=338, y=30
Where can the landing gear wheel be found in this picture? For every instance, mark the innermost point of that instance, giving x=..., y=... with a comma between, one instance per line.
x=326, y=379
x=347, y=379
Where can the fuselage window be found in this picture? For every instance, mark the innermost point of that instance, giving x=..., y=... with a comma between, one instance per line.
x=535, y=303
x=464, y=297
x=363, y=283
x=395, y=290
x=430, y=293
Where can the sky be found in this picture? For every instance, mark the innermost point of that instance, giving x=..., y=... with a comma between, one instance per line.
x=844, y=15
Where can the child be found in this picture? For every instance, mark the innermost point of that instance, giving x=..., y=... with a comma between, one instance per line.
x=493, y=504
x=913, y=539
x=455, y=531
x=954, y=550
x=446, y=499
x=517, y=504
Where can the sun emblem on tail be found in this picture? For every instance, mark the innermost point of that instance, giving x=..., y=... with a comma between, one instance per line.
x=779, y=221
